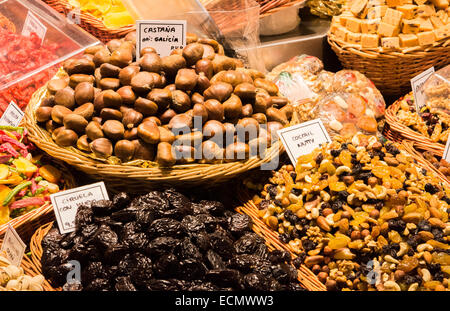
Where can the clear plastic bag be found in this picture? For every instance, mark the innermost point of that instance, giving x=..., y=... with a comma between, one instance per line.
x=437, y=90
x=346, y=114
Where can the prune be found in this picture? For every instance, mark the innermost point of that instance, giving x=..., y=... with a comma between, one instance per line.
x=161, y=285
x=284, y=273
x=192, y=224
x=222, y=244
x=104, y=237
x=129, y=229
x=68, y=241
x=84, y=216
x=224, y=277
x=74, y=286
x=244, y=263
x=255, y=281
x=166, y=266
x=88, y=230
x=161, y=245
x=186, y=249
x=213, y=207
x=248, y=243
x=165, y=227
x=121, y=200
x=279, y=256
x=94, y=270
x=136, y=241
x=124, y=284
x=202, y=240
x=308, y=245
x=102, y=207
x=144, y=217
x=52, y=239
x=178, y=200
x=214, y=260
x=115, y=253
x=140, y=269
x=98, y=285
x=263, y=267
x=239, y=224
x=125, y=215
x=201, y=286
x=190, y=269
x=211, y=222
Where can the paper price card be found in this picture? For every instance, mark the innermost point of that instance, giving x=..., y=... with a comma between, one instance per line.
x=33, y=24
x=66, y=203
x=416, y=84
x=13, y=246
x=12, y=115
x=303, y=138
x=164, y=36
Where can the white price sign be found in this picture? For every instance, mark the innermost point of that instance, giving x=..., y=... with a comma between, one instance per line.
x=12, y=116
x=66, y=203
x=33, y=24
x=13, y=246
x=416, y=84
x=303, y=138
x=164, y=35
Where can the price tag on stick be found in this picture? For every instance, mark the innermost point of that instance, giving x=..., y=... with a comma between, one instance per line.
x=33, y=24
x=12, y=115
x=303, y=138
x=13, y=246
x=66, y=203
x=164, y=36
x=416, y=84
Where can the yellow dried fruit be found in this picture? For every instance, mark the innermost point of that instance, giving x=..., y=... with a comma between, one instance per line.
x=338, y=186
x=381, y=171
x=346, y=158
x=339, y=242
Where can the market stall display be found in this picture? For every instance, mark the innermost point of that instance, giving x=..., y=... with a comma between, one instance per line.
x=362, y=216
x=106, y=19
x=27, y=62
x=392, y=42
x=27, y=178
x=164, y=241
x=112, y=116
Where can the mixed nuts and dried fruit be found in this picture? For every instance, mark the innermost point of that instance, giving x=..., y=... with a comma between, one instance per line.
x=190, y=106
x=13, y=278
x=362, y=216
x=164, y=241
x=26, y=180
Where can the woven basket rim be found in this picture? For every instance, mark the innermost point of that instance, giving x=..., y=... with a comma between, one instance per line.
x=417, y=51
x=417, y=138
x=187, y=172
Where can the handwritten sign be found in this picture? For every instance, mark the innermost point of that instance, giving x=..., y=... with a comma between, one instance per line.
x=417, y=86
x=66, y=203
x=13, y=246
x=164, y=36
x=303, y=138
x=12, y=115
x=33, y=24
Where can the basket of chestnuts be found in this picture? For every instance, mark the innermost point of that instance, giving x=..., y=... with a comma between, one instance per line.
x=194, y=117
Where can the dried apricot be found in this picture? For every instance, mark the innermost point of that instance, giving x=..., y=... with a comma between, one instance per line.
x=337, y=186
x=346, y=158
x=381, y=171
x=368, y=124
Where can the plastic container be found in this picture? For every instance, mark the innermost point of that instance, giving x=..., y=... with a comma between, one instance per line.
x=27, y=62
x=280, y=22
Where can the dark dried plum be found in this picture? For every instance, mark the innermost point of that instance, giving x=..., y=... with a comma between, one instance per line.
x=239, y=224
x=244, y=263
x=124, y=284
x=222, y=244
x=255, y=281
x=121, y=200
x=161, y=285
x=94, y=270
x=224, y=278
x=102, y=207
x=213, y=207
x=137, y=241
x=187, y=249
x=68, y=240
x=145, y=217
x=104, y=237
x=74, y=286
x=84, y=216
x=192, y=224
x=279, y=256
x=140, y=269
x=284, y=273
x=248, y=243
x=115, y=253
x=191, y=269
x=125, y=215
x=165, y=227
x=166, y=266
x=202, y=240
x=88, y=230
x=98, y=285
x=178, y=201
x=161, y=245
x=201, y=286
x=214, y=260
x=263, y=267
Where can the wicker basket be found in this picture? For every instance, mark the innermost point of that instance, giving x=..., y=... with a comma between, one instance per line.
x=399, y=131
x=89, y=22
x=136, y=179
x=391, y=71
x=26, y=224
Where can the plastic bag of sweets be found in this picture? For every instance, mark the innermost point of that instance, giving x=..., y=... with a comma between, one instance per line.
x=437, y=90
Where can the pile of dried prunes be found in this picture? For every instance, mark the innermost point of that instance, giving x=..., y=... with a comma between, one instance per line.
x=164, y=241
